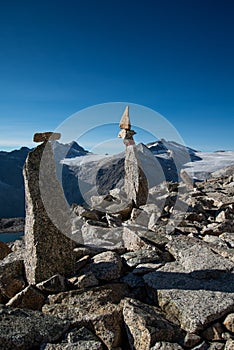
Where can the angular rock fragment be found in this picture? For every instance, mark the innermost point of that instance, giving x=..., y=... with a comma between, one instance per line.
x=198, y=259
x=96, y=309
x=55, y=284
x=166, y=346
x=4, y=250
x=26, y=329
x=78, y=339
x=146, y=325
x=192, y=303
x=28, y=298
x=106, y=266
x=141, y=256
x=84, y=281
x=229, y=322
x=11, y=275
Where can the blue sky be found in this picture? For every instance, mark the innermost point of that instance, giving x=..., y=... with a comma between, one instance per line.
x=60, y=56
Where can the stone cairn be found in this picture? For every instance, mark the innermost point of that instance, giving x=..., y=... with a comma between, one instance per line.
x=135, y=181
x=48, y=250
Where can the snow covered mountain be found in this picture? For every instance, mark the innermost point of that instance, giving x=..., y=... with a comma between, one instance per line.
x=84, y=172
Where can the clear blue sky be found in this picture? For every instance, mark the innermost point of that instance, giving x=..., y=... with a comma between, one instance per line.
x=174, y=56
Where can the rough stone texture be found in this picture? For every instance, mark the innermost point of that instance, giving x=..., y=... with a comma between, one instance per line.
x=81, y=339
x=29, y=298
x=229, y=345
x=216, y=346
x=106, y=266
x=214, y=332
x=142, y=269
x=132, y=280
x=193, y=303
x=191, y=340
x=229, y=322
x=97, y=308
x=197, y=258
x=132, y=240
x=135, y=181
x=141, y=256
x=166, y=346
x=84, y=281
x=11, y=275
x=125, y=120
x=55, y=284
x=145, y=325
x=46, y=136
x=4, y=250
x=202, y=346
x=48, y=251
x=25, y=329
x=103, y=238
x=82, y=262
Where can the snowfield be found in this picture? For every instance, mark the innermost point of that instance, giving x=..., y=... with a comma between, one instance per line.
x=209, y=163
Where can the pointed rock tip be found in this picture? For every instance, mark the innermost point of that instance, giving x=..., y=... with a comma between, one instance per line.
x=46, y=136
x=125, y=120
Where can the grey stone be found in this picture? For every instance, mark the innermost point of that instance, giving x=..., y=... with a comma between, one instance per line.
x=49, y=250
x=166, y=346
x=197, y=258
x=142, y=269
x=133, y=259
x=55, y=284
x=228, y=237
x=103, y=238
x=11, y=274
x=191, y=340
x=216, y=346
x=114, y=220
x=133, y=281
x=81, y=339
x=4, y=250
x=146, y=325
x=106, y=266
x=82, y=262
x=132, y=238
x=28, y=298
x=84, y=281
x=135, y=181
x=193, y=303
x=97, y=308
x=202, y=346
x=25, y=329
x=229, y=322
x=213, y=333
x=229, y=345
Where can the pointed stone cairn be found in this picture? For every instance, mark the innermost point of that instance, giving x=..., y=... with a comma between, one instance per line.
x=135, y=181
x=49, y=250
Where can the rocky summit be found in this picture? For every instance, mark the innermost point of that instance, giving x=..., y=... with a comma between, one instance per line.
x=126, y=273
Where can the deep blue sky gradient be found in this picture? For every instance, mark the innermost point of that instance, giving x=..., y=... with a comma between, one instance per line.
x=176, y=57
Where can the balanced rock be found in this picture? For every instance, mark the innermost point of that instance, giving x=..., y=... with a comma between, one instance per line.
x=46, y=136
x=49, y=250
x=135, y=181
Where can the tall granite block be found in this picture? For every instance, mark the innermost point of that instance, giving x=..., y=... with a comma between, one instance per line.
x=135, y=181
x=49, y=250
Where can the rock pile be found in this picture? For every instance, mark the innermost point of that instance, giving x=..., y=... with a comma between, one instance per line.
x=136, y=284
